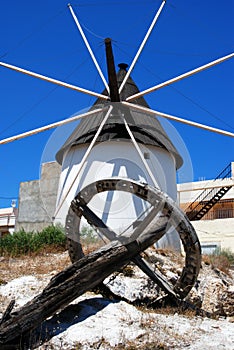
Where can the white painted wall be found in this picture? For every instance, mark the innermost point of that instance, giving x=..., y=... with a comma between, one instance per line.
x=7, y=219
x=115, y=159
x=188, y=192
x=219, y=231
x=210, y=232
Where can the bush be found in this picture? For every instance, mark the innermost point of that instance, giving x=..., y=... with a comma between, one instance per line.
x=221, y=259
x=88, y=235
x=20, y=243
x=227, y=253
x=89, y=239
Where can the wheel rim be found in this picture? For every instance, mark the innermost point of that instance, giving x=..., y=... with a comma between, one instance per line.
x=166, y=213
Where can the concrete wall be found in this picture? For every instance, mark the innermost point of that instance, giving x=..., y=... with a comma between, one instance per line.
x=37, y=199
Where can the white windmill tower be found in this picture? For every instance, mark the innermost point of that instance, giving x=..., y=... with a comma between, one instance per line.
x=129, y=144
x=120, y=142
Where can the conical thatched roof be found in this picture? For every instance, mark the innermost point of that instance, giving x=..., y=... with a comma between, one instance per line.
x=145, y=128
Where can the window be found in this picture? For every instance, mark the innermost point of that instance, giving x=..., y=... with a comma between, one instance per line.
x=209, y=248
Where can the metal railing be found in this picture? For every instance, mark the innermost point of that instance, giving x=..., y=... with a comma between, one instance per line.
x=219, y=214
x=208, y=193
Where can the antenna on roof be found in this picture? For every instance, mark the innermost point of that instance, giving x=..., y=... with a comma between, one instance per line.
x=13, y=203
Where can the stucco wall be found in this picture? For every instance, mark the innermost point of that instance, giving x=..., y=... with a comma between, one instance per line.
x=117, y=159
x=114, y=159
x=188, y=192
x=220, y=232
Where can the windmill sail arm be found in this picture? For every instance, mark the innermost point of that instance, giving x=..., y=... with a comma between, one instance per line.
x=142, y=46
x=49, y=126
x=84, y=159
x=88, y=47
x=178, y=119
x=52, y=80
x=140, y=153
x=180, y=77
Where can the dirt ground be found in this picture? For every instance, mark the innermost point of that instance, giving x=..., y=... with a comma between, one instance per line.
x=92, y=322
x=35, y=265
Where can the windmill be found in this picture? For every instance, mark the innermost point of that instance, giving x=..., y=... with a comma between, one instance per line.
x=122, y=119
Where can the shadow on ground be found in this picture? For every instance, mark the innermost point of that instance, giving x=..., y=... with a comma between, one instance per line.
x=60, y=322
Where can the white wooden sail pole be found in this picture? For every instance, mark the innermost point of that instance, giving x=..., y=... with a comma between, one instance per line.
x=50, y=126
x=140, y=153
x=180, y=77
x=54, y=81
x=89, y=48
x=89, y=149
x=178, y=119
x=141, y=46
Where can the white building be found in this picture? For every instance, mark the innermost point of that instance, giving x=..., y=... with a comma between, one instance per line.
x=7, y=220
x=210, y=206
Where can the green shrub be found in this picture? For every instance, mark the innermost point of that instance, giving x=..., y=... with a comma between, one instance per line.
x=88, y=235
x=21, y=242
x=52, y=235
x=224, y=252
x=227, y=253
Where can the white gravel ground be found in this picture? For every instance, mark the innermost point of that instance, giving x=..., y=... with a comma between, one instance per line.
x=92, y=322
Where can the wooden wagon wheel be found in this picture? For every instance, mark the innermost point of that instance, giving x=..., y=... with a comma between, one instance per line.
x=164, y=214
x=90, y=270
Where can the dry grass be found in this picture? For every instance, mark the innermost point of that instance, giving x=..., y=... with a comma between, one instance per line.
x=91, y=247
x=35, y=264
x=221, y=259
x=168, y=310
x=217, y=262
x=175, y=257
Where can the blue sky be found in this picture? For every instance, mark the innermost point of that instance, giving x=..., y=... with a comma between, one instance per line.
x=42, y=37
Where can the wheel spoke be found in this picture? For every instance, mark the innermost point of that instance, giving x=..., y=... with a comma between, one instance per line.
x=157, y=277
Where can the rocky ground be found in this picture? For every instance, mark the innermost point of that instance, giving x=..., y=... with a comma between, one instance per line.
x=94, y=322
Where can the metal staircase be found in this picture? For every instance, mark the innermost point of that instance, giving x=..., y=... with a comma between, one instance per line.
x=208, y=198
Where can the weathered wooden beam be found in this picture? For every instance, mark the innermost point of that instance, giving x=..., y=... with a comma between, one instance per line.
x=7, y=313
